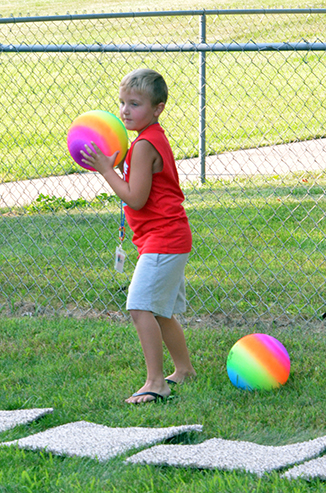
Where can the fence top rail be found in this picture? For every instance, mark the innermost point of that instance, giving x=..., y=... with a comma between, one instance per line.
x=162, y=13
x=155, y=48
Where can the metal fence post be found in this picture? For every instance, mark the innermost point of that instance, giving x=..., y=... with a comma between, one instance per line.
x=202, y=100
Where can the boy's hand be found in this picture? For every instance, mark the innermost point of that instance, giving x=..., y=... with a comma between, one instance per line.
x=97, y=159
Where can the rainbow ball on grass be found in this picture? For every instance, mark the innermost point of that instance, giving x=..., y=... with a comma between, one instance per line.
x=102, y=128
x=258, y=362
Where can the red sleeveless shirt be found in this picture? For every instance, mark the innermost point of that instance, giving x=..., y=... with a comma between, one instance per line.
x=161, y=226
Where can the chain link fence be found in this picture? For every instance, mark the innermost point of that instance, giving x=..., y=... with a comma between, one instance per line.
x=245, y=118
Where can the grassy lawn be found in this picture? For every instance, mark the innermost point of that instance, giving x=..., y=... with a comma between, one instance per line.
x=44, y=7
x=253, y=99
x=85, y=369
x=257, y=249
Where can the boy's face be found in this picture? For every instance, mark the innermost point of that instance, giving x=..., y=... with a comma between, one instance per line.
x=136, y=110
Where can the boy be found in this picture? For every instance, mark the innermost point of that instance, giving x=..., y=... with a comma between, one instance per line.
x=150, y=189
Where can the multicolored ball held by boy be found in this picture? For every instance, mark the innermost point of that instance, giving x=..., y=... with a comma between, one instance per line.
x=258, y=362
x=102, y=128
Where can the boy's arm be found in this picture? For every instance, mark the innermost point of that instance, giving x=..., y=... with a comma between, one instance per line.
x=136, y=192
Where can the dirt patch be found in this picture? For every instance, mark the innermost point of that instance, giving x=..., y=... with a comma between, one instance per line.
x=263, y=323
x=29, y=309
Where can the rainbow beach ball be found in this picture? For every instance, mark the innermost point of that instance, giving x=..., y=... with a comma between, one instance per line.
x=101, y=127
x=258, y=362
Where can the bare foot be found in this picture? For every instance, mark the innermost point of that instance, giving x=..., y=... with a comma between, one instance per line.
x=179, y=377
x=149, y=394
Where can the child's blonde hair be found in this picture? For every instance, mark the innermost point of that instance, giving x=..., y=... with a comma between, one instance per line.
x=147, y=81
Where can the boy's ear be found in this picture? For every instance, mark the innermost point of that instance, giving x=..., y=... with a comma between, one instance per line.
x=159, y=108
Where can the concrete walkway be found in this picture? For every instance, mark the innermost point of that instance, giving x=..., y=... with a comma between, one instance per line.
x=271, y=160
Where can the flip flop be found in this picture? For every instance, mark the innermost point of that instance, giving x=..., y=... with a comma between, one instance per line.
x=171, y=382
x=156, y=396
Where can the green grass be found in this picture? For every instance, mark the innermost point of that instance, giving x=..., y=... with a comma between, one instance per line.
x=44, y=7
x=258, y=249
x=86, y=368
x=253, y=99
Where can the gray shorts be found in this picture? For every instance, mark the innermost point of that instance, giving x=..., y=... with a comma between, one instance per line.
x=158, y=284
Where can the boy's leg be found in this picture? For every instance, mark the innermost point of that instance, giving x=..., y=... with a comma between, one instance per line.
x=174, y=339
x=150, y=336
